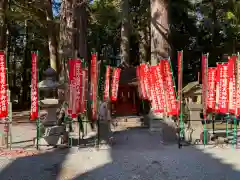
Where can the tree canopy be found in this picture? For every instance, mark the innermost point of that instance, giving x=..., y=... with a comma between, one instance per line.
x=195, y=27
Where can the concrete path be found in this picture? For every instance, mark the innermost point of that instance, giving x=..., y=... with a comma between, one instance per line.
x=138, y=154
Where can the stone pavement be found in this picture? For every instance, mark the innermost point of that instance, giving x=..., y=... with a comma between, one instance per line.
x=138, y=154
x=22, y=135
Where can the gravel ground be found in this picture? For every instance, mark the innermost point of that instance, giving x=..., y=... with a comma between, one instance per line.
x=138, y=154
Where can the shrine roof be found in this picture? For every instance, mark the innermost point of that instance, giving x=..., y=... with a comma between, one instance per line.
x=190, y=86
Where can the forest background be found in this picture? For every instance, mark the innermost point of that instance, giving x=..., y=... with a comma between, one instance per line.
x=133, y=31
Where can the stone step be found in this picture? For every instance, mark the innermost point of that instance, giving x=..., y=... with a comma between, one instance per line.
x=128, y=120
x=155, y=126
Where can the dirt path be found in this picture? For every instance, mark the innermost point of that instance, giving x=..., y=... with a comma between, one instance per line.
x=138, y=155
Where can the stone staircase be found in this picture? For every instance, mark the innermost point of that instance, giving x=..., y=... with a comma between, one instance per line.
x=128, y=122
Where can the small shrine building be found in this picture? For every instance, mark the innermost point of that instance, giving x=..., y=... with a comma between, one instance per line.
x=128, y=102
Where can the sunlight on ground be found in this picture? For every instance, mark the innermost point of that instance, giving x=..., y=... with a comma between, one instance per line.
x=84, y=160
x=226, y=155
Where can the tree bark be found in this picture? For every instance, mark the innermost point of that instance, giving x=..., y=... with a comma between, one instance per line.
x=81, y=26
x=124, y=47
x=3, y=6
x=144, y=32
x=160, y=45
x=52, y=40
x=66, y=35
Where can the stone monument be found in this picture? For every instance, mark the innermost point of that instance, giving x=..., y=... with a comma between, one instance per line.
x=49, y=102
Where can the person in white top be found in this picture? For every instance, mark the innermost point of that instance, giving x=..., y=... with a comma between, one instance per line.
x=104, y=117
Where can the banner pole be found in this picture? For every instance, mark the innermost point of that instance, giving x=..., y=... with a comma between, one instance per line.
x=96, y=88
x=99, y=71
x=86, y=93
x=236, y=92
x=205, y=97
x=79, y=116
x=228, y=114
x=9, y=132
x=173, y=78
x=180, y=119
x=38, y=119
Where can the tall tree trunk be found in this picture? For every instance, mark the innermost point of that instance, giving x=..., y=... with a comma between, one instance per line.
x=144, y=45
x=160, y=45
x=81, y=16
x=81, y=26
x=52, y=40
x=25, y=65
x=66, y=35
x=144, y=32
x=124, y=47
x=3, y=6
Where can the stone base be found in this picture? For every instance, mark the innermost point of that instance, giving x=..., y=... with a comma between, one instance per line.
x=49, y=140
x=192, y=135
x=87, y=128
x=155, y=124
x=167, y=127
x=2, y=140
x=51, y=136
x=54, y=130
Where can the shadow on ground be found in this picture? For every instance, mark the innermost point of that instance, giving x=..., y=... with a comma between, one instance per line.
x=137, y=154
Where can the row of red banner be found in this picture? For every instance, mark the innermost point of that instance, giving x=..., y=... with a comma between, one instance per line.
x=155, y=83
x=114, y=84
x=223, y=87
x=108, y=95
x=78, y=86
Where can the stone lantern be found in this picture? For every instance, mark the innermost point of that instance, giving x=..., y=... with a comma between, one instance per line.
x=48, y=86
x=48, y=93
x=49, y=103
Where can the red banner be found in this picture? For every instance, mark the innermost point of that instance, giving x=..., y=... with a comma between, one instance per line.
x=237, y=112
x=180, y=74
x=159, y=88
x=70, y=103
x=223, y=88
x=152, y=88
x=211, y=97
x=94, y=85
x=115, y=83
x=78, y=85
x=169, y=89
x=34, y=88
x=141, y=74
x=85, y=89
x=232, y=84
x=217, y=88
x=145, y=83
x=75, y=78
x=3, y=86
x=107, y=83
x=204, y=85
